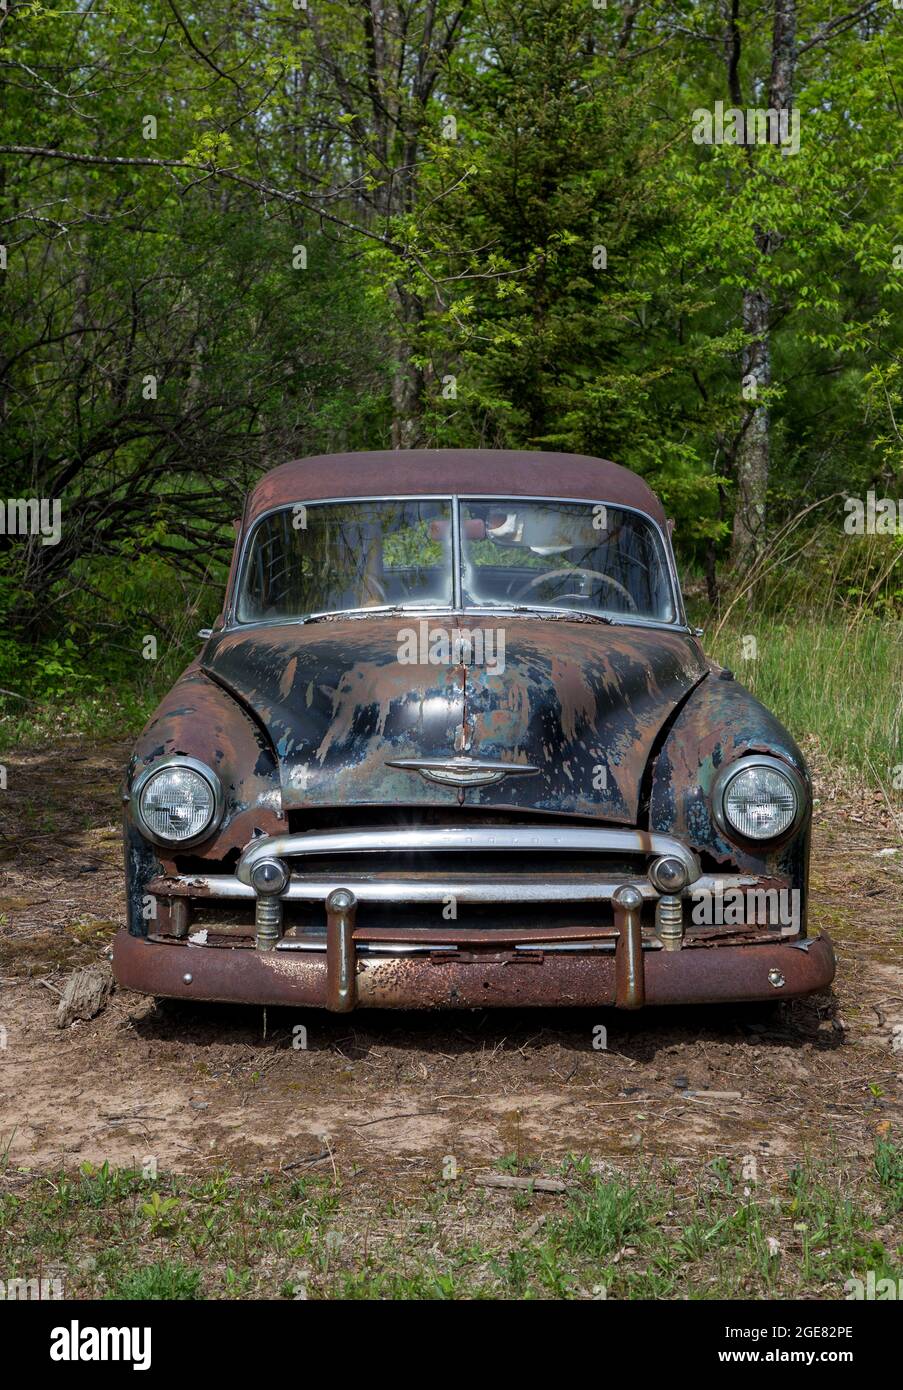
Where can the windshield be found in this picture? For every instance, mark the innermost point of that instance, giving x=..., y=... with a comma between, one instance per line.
x=335, y=556
x=585, y=556
x=329, y=557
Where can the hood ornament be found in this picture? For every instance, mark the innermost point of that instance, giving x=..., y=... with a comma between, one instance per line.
x=462, y=771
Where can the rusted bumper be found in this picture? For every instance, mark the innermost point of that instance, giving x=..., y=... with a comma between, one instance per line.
x=697, y=975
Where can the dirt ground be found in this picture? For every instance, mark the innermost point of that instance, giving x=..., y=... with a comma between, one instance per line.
x=194, y=1085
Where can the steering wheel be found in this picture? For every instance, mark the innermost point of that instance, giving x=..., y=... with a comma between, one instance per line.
x=569, y=573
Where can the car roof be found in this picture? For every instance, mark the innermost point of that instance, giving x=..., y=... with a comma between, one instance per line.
x=430, y=472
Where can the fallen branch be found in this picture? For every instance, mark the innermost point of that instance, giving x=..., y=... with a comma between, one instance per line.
x=14, y=695
x=524, y=1184
x=303, y=1162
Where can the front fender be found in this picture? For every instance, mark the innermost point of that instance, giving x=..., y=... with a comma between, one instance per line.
x=720, y=722
x=198, y=719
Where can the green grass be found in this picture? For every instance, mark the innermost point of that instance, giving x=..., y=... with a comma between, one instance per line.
x=889, y=1171
x=648, y=1232
x=167, y=1281
x=840, y=684
x=815, y=629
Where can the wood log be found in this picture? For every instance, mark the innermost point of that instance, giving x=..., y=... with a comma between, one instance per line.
x=84, y=994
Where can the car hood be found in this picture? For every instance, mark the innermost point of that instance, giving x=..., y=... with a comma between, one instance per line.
x=343, y=700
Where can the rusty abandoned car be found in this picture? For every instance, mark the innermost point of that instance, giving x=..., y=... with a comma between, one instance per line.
x=451, y=743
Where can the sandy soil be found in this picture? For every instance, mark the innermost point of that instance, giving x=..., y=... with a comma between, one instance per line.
x=193, y=1086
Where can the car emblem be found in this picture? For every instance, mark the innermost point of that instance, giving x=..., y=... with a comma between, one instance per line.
x=462, y=771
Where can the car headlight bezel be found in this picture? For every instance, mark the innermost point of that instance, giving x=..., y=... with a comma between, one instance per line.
x=187, y=764
x=758, y=760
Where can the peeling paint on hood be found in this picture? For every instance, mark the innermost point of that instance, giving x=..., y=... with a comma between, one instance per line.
x=582, y=701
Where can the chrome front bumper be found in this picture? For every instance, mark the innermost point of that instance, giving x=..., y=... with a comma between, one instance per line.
x=346, y=948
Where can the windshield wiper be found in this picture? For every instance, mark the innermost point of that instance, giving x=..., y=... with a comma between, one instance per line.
x=338, y=613
x=575, y=615
x=562, y=614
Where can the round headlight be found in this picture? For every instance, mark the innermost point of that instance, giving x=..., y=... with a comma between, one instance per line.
x=760, y=801
x=178, y=802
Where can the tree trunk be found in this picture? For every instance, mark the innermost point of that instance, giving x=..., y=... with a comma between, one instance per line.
x=754, y=447
x=407, y=397
x=407, y=379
